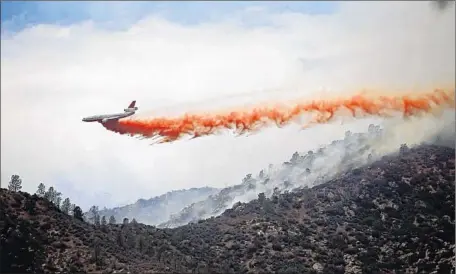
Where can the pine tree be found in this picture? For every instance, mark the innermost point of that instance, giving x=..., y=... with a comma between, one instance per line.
x=77, y=213
x=294, y=157
x=103, y=221
x=41, y=190
x=15, y=184
x=58, y=200
x=94, y=215
x=50, y=194
x=261, y=197
x=97, y=220
x=112, y=220
x=66, y=206
x=261, y=175
x=72, y=207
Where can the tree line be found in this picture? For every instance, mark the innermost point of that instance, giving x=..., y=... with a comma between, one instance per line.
x=55, y=197
x=125, y=237
x=98, y=220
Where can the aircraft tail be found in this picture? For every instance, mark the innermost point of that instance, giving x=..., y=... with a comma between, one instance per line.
x=132, y=104
x=131, y=107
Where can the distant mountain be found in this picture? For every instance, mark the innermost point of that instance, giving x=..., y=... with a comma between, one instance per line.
x=158, y=209
x=307, y=170
x=394, y=215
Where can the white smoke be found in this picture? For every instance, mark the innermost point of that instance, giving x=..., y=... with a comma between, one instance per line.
x=324, y=163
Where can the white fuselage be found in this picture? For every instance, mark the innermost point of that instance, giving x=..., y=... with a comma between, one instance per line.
x=108, y=117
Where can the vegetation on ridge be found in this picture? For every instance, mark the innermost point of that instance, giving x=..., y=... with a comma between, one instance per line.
x=395, y=214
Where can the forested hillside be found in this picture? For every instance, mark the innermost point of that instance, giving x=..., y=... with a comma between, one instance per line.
x=394, y=214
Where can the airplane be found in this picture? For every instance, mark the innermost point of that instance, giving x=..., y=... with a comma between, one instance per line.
x=130, y=110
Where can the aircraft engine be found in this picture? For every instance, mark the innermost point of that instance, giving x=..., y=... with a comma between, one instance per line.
x=130, y=109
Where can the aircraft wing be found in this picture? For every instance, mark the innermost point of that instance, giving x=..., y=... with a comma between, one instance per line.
x=110, y=118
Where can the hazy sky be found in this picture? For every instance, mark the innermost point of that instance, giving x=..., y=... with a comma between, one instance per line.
x=61, y=61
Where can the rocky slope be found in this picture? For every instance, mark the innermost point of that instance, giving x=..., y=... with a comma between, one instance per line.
x=395, y=215
x=156, y=210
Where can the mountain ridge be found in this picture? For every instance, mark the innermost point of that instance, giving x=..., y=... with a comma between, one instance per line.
x=156, y=209
x=393, y=214
x=308, y=170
